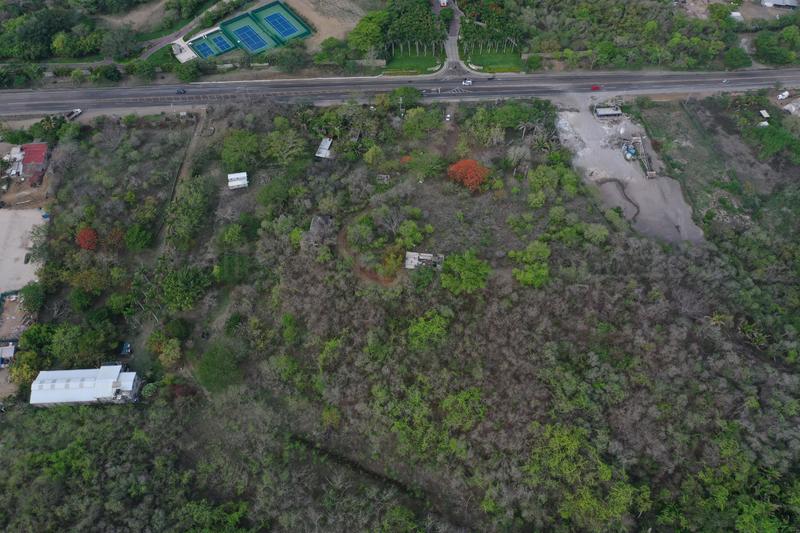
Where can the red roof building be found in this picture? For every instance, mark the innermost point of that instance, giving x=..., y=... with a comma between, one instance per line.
x=34, y=159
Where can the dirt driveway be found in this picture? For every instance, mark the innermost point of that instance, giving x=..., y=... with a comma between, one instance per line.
x=15, y=228
x=656, y=207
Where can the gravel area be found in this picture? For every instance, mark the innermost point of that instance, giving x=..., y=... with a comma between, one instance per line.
x=15, y=228
x=655, y=206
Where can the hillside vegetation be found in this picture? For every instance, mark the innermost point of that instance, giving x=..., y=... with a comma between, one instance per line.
x=559, y=372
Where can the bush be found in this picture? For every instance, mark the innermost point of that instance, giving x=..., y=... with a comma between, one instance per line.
x=179, y=328
x=137, y=238
x=464, y=273
x=188, y=72
x=737, y=58
x=106, y=73
x=33, y=297
x=428, y=331
x=183, y=287
x=534, y=62
x=535, y=272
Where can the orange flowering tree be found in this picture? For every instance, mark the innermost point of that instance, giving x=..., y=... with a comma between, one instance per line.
x=469, y=173
x=86, y=238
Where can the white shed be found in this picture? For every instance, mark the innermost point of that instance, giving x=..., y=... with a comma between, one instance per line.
x=324, y=150
x=237, y=180
x=107, y=384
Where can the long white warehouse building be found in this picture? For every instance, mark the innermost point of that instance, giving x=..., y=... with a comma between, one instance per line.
x=107, y=384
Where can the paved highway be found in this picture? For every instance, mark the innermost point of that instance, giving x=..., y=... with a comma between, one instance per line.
x=442, y=85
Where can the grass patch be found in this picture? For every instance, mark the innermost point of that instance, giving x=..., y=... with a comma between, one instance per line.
x=497, y=62
x=219, y=367
x=163, y=58
x=412, y=64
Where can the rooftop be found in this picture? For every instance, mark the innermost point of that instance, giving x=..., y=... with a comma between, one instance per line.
x=35, y=153
x=81, y=386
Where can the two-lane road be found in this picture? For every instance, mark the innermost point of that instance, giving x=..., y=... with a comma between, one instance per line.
x=439, y=86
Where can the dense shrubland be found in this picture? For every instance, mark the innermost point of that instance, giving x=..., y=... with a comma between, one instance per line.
x=558, y=371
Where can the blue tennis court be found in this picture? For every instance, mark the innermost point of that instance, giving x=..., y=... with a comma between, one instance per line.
x=250, y=38
x=281, y=24
x=222, y=43
x=204, y=50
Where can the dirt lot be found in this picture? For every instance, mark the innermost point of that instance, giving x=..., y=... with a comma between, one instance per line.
x=15, y=227
x=145, y=17
x=699, y=8
x=6, y=387
x=21, y=195
x=655, y=206
x=13, y=321
x=331, y=18
x=754, y=10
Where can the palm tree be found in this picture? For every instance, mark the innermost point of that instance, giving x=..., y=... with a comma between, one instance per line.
x=524, y=126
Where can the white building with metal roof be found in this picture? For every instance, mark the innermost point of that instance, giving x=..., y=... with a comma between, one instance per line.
x=237, y=180
x=107, y=384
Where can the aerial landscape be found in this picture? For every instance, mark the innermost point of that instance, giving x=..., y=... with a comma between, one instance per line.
x=400, y=265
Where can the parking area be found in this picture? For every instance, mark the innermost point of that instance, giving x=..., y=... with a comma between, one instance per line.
x=15, y=229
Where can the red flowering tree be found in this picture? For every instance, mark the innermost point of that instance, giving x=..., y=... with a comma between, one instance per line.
x=86, y=238
x=469, y=173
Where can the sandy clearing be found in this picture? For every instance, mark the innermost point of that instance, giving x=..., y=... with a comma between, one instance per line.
x=145, y=17
x=655, y=206
x=330, y=18
x=15, y=228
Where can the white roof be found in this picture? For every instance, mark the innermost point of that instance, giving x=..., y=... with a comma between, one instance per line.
x=324, y=149
x=80, y=386
x=7, y=351
x=237, y=180
x=607, y=111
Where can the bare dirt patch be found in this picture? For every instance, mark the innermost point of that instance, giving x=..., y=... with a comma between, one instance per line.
x=6, y=387
x=145, y=17
x=13, y=320
x=699, y=8
x=15, y=229
x=331, y=18
x=655, y=206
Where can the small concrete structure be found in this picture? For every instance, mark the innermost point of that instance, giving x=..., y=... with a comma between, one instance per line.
x=182, y=52
x=416, y=260
x=324, y=150
x=237, y=180
x=788, y=4
x=763, y=113
x=607, y=112
x=107, y=384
